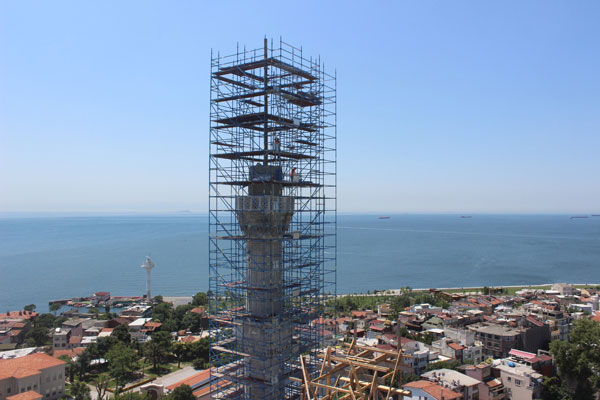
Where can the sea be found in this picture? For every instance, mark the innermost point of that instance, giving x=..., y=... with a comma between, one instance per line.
x=44, y=258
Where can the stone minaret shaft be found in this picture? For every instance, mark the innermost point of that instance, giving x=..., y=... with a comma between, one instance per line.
x=264, y=216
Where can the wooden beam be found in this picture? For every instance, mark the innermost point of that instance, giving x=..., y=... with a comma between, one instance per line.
x=304, y=375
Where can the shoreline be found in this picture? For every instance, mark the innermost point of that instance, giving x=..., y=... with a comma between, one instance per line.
x=395, y=292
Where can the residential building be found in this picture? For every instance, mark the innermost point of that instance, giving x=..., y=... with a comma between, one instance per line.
x=60, y=338
x=426, y=390
x=467, y=386
x=491, y=387
x=37, y=373
x=521, y=381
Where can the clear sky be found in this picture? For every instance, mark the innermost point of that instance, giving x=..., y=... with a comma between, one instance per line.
x=443, y=106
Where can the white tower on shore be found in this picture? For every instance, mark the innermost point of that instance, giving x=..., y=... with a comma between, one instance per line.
x=148, y=265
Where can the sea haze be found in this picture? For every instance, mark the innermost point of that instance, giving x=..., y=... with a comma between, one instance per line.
x=47, y=258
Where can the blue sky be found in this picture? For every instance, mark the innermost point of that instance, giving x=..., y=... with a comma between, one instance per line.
x=443, y=106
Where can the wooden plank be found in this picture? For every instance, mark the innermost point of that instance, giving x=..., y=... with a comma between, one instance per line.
x=304, y=375
x=234, y=82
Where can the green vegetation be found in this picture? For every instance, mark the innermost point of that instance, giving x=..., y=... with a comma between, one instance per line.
x=80, y=391
x=179, y=318
x=121, y=363
x=578, y=363
x=346, y=304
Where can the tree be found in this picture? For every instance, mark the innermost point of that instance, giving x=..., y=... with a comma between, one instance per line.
x=101, y=385
x=180, y=349
x=191, y=322
x=30, y=307
x=121, y=363
x=70, y=368
x=82, y=364
x=578, y=361
x=552, y=389
x=162, y=311
x=198, y=350
x=158, y=347
x=121, y=333
x=38, y=336
x=55, y=307
x=80, y=391
x=200, y=299
x=182, y=392
x=45, y=321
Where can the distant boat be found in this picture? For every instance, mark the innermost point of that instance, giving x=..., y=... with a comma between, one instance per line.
x=384, y=217
x=579, y=216
x=465, y=216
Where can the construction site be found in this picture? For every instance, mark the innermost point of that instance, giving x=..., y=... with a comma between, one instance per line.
x=272, y=218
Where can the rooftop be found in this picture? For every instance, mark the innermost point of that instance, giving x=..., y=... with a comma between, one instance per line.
x=28, y=395
x=28, y=365
x=434, y=390
x=451, y=377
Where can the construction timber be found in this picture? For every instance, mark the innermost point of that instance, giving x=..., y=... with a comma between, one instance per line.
x=272, y=218
x=355, y=372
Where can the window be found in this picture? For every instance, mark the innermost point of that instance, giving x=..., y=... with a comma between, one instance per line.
x=8, y=390
x=517, y=382
x=509, y=379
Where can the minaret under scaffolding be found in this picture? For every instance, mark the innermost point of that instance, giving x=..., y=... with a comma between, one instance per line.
x=272, y=218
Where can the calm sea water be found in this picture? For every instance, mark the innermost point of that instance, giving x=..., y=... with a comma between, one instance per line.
x=47, y=258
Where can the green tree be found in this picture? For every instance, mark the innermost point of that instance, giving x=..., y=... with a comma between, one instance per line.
x=54, y=307
x=182, y=392
x=30, y=307
x=80, y=391
x=191, y=322
x=121, y=333
x=101, y=384
x=578, y=361
x=180, y=350
x=552, y=389
x=37, y=336
x=45, y=321
x=200, y=299
x=70, y=367
x=198, y=350
x=450, y=364
x=82, y=364
x=162, y=311
x=158, y=348
x=121, y=363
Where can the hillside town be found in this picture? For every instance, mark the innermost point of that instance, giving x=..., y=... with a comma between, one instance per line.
x=491, y=343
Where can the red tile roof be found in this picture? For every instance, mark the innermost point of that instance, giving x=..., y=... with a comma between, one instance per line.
x=193, y=380
x=434, y=390
x=28, y=395
x=27, y=366
x=69, y=353
x=19, y=315
x=456, y=346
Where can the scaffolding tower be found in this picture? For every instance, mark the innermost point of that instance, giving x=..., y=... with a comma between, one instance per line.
x=272, y=218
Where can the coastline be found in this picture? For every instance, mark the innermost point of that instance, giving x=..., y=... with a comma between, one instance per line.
x=464, y=289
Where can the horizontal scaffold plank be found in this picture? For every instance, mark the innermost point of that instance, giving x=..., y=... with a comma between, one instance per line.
x=245, y=154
